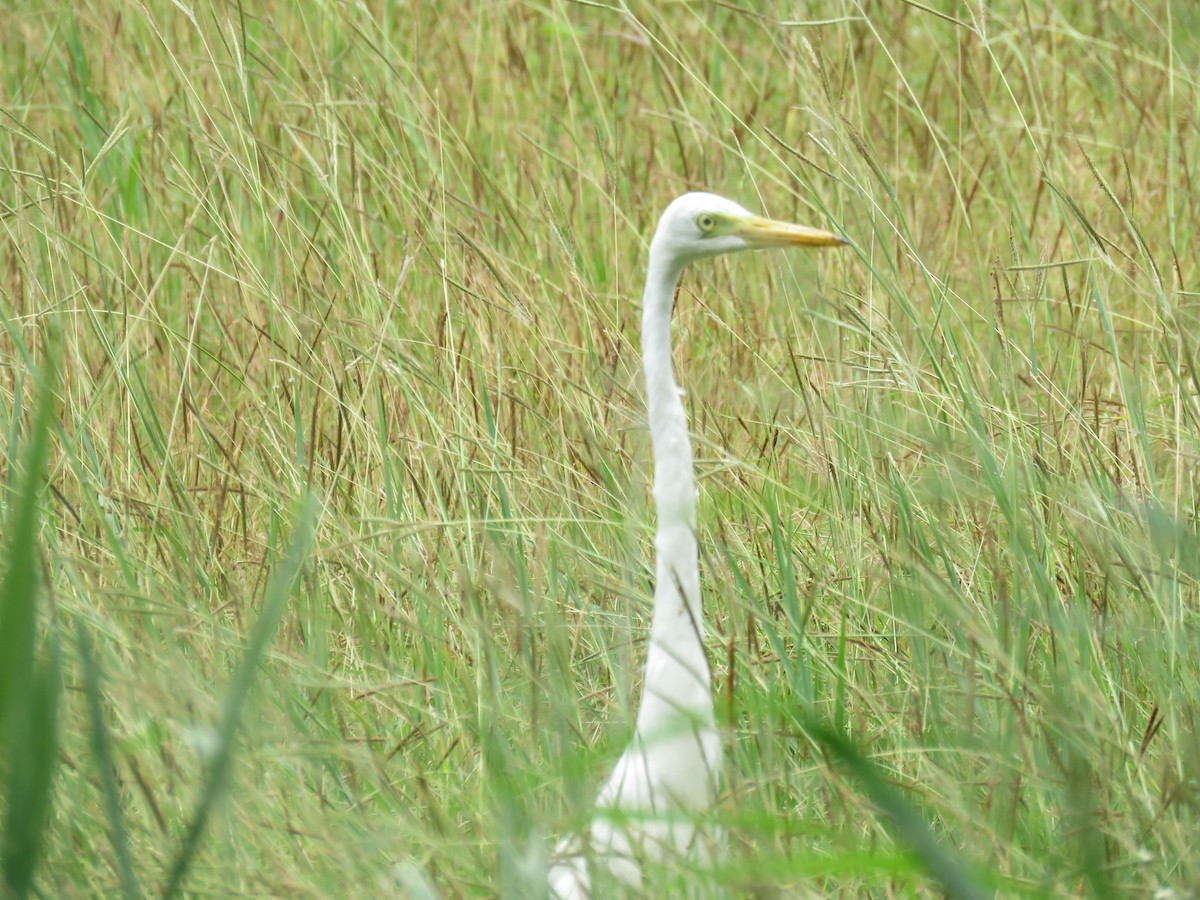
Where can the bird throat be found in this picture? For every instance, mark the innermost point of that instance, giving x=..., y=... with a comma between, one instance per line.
x=677, y=673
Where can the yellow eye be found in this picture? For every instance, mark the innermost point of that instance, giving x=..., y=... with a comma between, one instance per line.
x=705, y=222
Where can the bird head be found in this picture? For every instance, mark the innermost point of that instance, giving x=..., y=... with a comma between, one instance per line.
x=698, y=225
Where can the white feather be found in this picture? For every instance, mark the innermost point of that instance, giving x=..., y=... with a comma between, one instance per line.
x=653, y=803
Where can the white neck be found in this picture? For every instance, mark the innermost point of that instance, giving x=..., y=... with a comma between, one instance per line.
x=677, y=675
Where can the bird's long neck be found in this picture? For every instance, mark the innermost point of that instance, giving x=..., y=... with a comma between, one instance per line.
x=677, y=675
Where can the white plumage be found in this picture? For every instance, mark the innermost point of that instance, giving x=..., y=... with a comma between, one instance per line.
x=651, y=805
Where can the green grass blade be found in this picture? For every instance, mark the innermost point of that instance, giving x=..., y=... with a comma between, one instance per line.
x=92, y=684
x=278, y=591
x=31, y=778
x=29, y=690
x=18, y=591
x=905, y=821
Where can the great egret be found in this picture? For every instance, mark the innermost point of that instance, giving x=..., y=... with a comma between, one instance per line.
x=670, y=770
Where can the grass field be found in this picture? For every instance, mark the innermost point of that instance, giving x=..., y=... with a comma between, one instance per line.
x=349, y=292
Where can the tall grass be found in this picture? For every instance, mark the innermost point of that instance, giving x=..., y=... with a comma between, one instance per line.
x=30, y=687
x=389, y=255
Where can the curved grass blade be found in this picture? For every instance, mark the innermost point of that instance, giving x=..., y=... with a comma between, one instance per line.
x=905, y=821
x=34, y=758
x=92, y=678
x=29, y=690
x=278, y=591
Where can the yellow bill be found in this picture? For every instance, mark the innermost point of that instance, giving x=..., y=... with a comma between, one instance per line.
x=763, y=233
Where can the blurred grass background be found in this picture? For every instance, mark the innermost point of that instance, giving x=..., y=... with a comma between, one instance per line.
x=391, y=254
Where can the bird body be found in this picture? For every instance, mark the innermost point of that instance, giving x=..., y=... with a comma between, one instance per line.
x=671, y=769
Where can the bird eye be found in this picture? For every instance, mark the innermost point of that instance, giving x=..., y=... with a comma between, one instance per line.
x=705, y=222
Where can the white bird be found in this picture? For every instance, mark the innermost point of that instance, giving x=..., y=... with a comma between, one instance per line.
x=669, y=773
